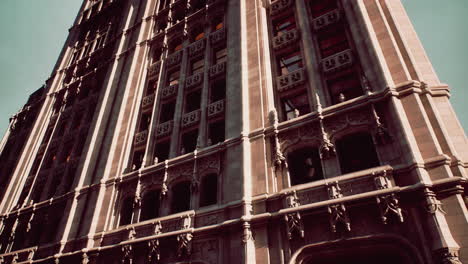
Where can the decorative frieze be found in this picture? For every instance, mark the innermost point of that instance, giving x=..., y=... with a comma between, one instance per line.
x=147, y=102
x=285, y=39
x=191, y=118
x=140, y=138
x=174, y=58
x=154, y=68
x=164, y=128
x=169, y=91
x=288, y=81
x=216, y=108
x=279, y=6
x=194, y=80
x=218, y=36
x=197, y=47
x=217, y=69
x=338, y=61
x=327, y=19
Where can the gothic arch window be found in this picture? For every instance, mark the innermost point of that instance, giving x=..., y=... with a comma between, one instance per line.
x=304, y=165
x=181, y=195
x=209, y=190
x=356, y=152
x=126, y=211
x=150, y=205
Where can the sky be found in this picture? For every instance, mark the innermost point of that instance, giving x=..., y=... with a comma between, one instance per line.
x=34, y=31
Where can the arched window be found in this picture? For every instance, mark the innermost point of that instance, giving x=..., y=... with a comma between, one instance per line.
x=181, y=197
x=209, y=190
x=126, y=211
x=305, y=165
x=150, y=205
x=356, y=152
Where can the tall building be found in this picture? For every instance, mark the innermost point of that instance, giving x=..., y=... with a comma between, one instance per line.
x=237, y=131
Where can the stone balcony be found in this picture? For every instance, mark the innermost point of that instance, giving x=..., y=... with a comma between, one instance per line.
x=140, y=138
x=288, y=81
x=191, y=118
x=217, y=70
x=279, y=6
x=174, y=58
x=285, y=39
x=337, y=61
x=169, y=91
x=216, y=108
x=218, y=36
x=147, y=102
x=153, y=69
x=197, y=47
x=194, y=80
x=325, y=20
x=164, y=129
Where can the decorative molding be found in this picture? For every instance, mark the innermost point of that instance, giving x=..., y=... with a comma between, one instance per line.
x=197, y=47
x=169, y=91
x=174, y=58
x=185, y=239
x=164, y=128
x=286, y=39
x=147, y=102
x=293, y=221
x=337, y=61
x=216, y=108
x=279, y=6
x=218, y=36
x=448, y=256
x=154, y=251
x=325, y=20
x=140, y=138
x=153, y=69
x=337, y=212
x=217, y=70
x=432, y=204
x=290, y=80
x=194, y=80
x=127, y=254
x=191, y=118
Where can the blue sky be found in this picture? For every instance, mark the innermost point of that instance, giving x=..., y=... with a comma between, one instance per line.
x=34, y=31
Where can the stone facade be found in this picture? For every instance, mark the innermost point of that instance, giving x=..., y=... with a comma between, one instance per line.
x=237, y=131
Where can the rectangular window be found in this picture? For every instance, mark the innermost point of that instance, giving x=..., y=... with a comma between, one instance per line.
x=193, y=101
x=281, y=26
x=162, y=150
x=189, y=141
x=216, y=132
x=322, y=7
x=218, y=91
x=332, y=42
x=173, y=78
x=290, y=62
x=167, y=111
x=295, y=106
x=144, y=122
x=197, y=66
x=345, y=87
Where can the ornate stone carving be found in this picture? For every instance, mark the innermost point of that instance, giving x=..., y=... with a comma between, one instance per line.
x=217, y=69
x=174, y=58
x=191, y=118
x=154, y=251
x=140, y=138
x=154, y=68
x=247, y=234
x=218, y=36
x=147, y=102
x=286, y=39
x=84, y=258
x=169, y=91
x=279, y=6
x=216, y=108
x=194, y=80
x=337, y=212
x=185, y=240
x=448, y=256
x=196, y=47
x=432, y=204
x=327, y=19
x=164, y=128
x=14, y=260
x=337, y=61
x=381, y=133
x=293, y=220
x=127, y=254
x=290, y=80
x=389, y=205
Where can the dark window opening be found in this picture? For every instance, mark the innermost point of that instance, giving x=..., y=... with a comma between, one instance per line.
x=50, y=159
x=69, y=179
x=282, y=26
x=126, y=212
x=345, y=87
x=181, y=197
x=197, y=34
x=218, y=91
x=304, y=166
x=197, y=5
x=209, y=190
x=77, y=120
x=162, y=150
x=84, y=92
x=157, y=53
x=290, y=62
x=356, y=152
x=193, y=101
x=173, y=78
x=295, y=106
x=220, y=55
x=197, y=66
x=163, y=4
x=333, y=41
x=66, y=152
x=216, y=132
x=167, y=112
x=189, y=141
x=160, y=27
x=62, y=128
x=137, y=159
x=152, y=86
x=178, y=15
x=54, y=185
x=322, y=7
x=218, y=23
x=150, y=205
x=80, y=145
x=176, y=45
x=144, y=122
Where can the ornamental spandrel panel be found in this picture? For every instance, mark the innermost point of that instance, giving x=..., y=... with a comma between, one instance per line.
x=218, y=36
x=147, y=102
x=197, y=47
x=279, y=6
x=194, y=80
x=216, y=108
x=327, y=19
x=337, y=61
x=290, y=80
x=206, y=250
x=169, y=91
x=154, y=68
x=140, y=138
x=191, y=118
x=217, y=70
x=164, y=128
x=286, y=39
x=174, y=58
